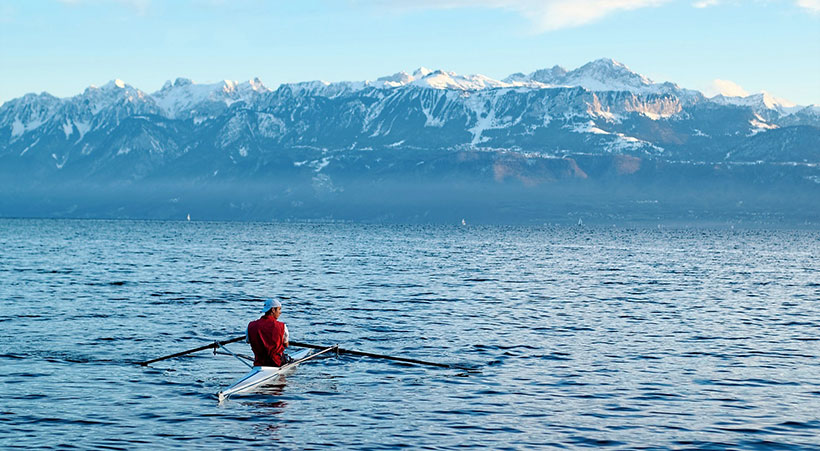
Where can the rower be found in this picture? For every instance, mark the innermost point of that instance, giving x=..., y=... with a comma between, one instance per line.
x=268, y=336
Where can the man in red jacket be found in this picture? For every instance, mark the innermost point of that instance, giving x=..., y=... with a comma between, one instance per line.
x=268, y=337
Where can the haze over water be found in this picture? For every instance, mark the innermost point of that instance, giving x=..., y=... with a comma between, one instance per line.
x=582, y=336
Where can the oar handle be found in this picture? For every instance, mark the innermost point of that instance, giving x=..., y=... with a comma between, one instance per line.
x=190, y=351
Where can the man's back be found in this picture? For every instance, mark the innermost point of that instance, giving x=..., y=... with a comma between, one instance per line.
x=266, y=336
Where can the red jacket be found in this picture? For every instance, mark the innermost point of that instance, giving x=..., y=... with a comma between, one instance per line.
x=267, y=338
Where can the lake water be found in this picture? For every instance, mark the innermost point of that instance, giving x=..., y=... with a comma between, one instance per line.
x=651, y=338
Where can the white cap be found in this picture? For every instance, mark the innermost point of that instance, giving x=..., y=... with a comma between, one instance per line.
x=270, y=304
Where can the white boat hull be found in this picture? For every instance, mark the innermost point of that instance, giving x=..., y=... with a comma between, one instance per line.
x=261, y=375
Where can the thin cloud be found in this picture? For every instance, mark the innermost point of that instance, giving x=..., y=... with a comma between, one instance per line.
x=705, y=3
x=727, y=88
x=545, y=15
x=811, y=5
x=550, y=15
x=141, y=7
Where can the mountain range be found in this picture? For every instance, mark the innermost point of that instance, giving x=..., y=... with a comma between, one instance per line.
x=599, y=141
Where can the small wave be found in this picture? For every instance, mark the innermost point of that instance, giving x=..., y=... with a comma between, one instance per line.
x=54, y=271
x=580, y=440
x=116, y=283
x=753, y=382
x=811, y=424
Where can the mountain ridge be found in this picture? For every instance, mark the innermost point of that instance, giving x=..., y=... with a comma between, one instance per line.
x=533, y=132
x=604, y=74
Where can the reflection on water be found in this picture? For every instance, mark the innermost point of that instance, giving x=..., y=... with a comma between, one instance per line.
x=581, y=337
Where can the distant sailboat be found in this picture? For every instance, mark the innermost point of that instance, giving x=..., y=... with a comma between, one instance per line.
x=189, y=216
x=463, y=222
x=580, y=223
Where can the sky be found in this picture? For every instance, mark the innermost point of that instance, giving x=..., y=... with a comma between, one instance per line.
x=736, y=47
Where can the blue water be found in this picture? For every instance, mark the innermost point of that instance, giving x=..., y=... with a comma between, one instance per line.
x=652, y=338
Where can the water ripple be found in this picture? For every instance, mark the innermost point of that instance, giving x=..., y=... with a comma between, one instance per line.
x=624, y=338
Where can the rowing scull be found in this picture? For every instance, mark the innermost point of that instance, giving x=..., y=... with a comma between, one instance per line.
x=261, y=375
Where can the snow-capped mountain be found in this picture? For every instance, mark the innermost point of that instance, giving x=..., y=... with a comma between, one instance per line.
x=551, y=126
x=184, y=98
x=600, y=75
x=762, y=103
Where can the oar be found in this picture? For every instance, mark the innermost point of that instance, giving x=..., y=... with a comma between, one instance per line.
x=376, y=356
x=213, y=345
x=313, y=356
x=217, y=344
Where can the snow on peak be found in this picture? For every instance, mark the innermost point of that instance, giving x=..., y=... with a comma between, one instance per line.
x=115, y=84
x=115, y=92
x=395, y=80
x=436, y=79
x=256, y=85
x=518, y=77
x=604, y=74
x=551, y=76
x=183, y=95
x=421, y=72
x=600, y=75
x=775, y=102
x=313, y=87
x=450, y=80
x=180, y=81
x=758, y=102
x=422, y=78
x=228, y=85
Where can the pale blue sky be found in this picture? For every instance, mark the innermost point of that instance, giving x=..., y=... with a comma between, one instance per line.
x=62, y=46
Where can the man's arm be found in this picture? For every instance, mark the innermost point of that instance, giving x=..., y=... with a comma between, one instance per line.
x=286, y=337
